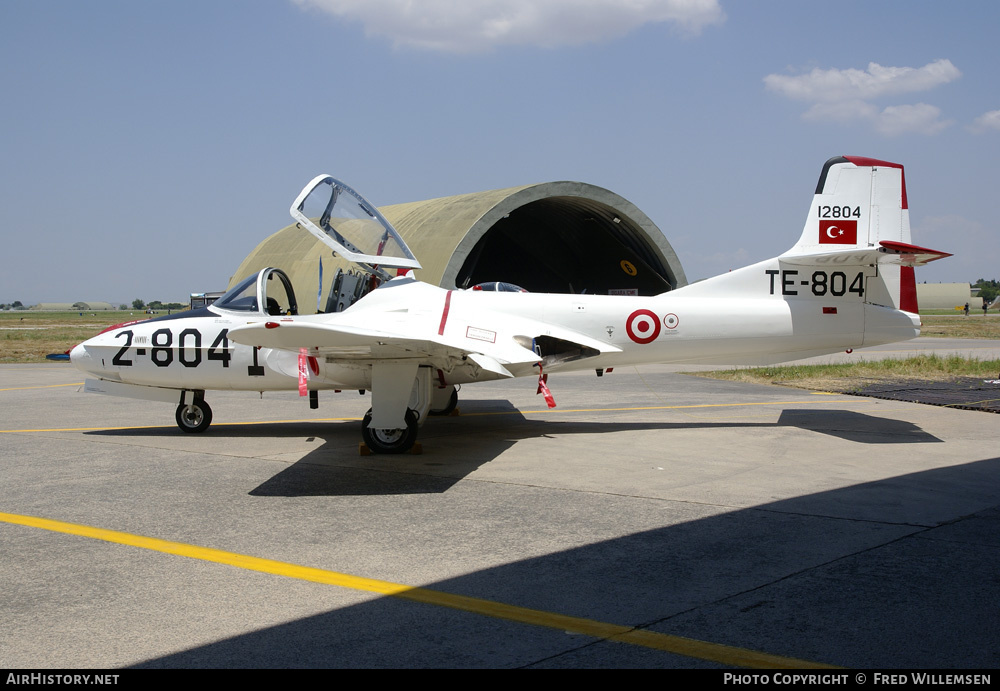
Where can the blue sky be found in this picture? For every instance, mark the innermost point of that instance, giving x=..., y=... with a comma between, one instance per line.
x=149, y=146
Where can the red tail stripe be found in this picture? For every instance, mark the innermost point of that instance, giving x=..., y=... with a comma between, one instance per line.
x=907, y=290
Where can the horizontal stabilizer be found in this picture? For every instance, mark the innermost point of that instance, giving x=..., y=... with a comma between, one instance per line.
x=911, y=255
x=899, y=253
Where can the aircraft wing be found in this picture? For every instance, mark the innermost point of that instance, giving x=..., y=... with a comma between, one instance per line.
x=354, y=343
x=341, y=340
x=407, y=337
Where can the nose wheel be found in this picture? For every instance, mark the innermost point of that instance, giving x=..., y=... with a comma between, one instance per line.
x=194, y=417
x=390, y=440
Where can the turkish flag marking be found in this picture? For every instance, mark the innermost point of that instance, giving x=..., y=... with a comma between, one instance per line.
x=838, y=232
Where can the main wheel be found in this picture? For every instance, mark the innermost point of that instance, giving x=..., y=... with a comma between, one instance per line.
x=390, y=440
x=448, y=407
x=195, y=417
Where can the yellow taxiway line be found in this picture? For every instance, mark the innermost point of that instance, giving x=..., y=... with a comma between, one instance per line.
x=172, y=427
x=553, y=411
x=45, y=386
x=688, y=647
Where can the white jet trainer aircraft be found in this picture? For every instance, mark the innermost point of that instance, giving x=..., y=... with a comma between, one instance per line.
x=847, y=283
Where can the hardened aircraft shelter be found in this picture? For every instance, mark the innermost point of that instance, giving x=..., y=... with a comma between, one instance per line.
x=557, y=237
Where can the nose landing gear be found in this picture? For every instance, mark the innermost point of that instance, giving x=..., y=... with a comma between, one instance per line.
x=194, y=417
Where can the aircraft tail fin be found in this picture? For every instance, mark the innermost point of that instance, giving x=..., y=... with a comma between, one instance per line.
x=860, y=215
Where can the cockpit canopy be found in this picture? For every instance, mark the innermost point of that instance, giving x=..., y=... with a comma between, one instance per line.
x=260, y=294
x=350, y=225
x=498, y=287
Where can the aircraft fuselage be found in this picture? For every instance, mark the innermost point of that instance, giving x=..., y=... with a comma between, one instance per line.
x=613, y=331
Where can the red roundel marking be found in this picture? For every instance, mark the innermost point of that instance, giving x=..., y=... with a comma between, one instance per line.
x=671, y=321
x=642, y=326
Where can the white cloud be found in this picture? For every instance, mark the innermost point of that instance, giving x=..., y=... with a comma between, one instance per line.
x=466, y=26
x=986, y=122
x=919, y=119
x=845, y=95
x=843, y=111
x=838, y=85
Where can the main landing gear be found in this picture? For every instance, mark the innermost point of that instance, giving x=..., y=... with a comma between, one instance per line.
x=390, y=440
x=402, y=439
x=443, y=402
x=403, y=395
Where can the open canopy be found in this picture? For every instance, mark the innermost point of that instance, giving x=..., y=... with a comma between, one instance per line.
x=350, y=225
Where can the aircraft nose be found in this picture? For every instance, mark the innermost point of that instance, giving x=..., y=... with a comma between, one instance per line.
x=80, y=357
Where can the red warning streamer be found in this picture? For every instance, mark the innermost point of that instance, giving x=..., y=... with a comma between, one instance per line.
x=543, y=388
x=303, y=371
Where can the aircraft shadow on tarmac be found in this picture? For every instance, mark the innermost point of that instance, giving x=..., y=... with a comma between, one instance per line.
x=894, y=573
x=855, y=426
x=456, y=447
x=474, y=441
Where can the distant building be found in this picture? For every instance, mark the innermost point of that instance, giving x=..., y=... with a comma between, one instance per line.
x=204, y=299
x=74, y=307
x=946, y=296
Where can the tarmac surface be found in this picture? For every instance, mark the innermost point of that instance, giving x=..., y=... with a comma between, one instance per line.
x=652, y=519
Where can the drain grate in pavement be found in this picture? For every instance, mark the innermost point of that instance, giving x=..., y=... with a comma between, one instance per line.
x=969, y=393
